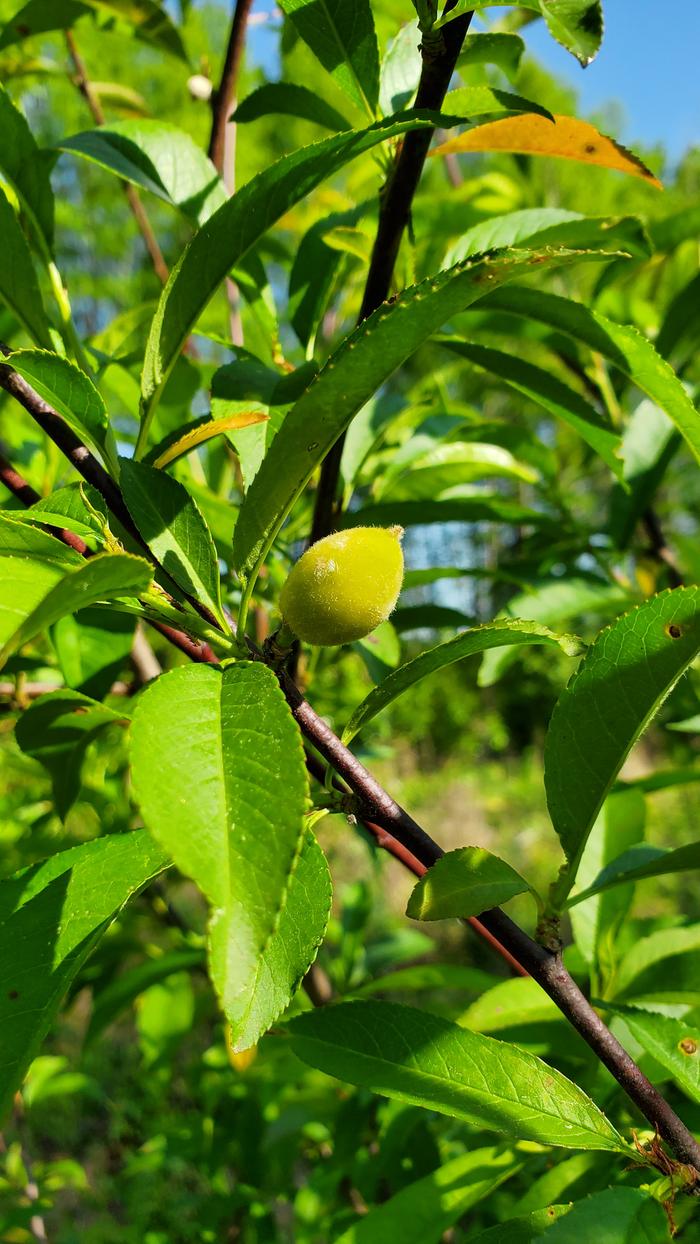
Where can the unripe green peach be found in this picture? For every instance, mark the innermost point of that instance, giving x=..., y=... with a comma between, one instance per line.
x=344, y=585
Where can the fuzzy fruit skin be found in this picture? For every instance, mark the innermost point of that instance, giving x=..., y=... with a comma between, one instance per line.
x=344, y=585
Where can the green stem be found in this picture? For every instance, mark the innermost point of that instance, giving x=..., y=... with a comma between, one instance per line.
x=69, y=333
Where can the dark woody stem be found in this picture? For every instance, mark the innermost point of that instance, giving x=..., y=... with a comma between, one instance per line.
x=439, y=60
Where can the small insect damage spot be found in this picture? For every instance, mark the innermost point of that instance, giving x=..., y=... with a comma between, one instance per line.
x=13, y=994
x=673, y=630
x=688, y=1046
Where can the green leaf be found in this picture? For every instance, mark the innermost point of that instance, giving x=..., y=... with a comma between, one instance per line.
x=504, y=50
x=93, y=648
x=108, y=1003
x=626, y=674
x=422, y=1212
x=550, y=393
x=619, y=824
x=149, y=21
x=419, y=1058
x=219, y=775
x=638, y=863
x=32, y=562
x=522, y=1230
x=400, y=70
x=616, y=1216
x=623, y=345
x=674, y=1044
x=446, y=466
x=172, y=525
x=57, y=911
x=551, y=226
x=429, y=976
x=56, y=730
x=19, y=288
x=157, y=157
x=73, y=394
x=27, y=171
x=553, y=601
x=224, y=239
x=511, y=1004
x=363, y=362
x=649, y=442
x=576, y=24
x=475, y=507
x=663, y=967
x=482, y=101
x=108, y=576
x=464, y=883
x=291, y=101
x=77, y=507
x=343, y=38
x=478, y=639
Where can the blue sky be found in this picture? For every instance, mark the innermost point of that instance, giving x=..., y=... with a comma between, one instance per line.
x=648, y=63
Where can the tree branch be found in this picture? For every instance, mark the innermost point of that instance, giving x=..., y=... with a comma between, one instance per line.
x=382, y=813
x=138, y=211
x=394, y=214
x=224, y=99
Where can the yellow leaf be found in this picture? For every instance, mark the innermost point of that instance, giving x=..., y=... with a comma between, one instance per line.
x=567, y=138
x=205, y=432
x=240, y=1060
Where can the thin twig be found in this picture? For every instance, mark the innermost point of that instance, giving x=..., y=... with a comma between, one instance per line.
x=224, y=99
x=138, y=211
x=394, y=215
x=222, y=141
x=379, y=809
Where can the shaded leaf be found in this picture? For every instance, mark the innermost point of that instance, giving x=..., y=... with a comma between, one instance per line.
x=626, y=674
x=108, y=576
x=19, y=288
x=149, y=21
x=626, y=1215
x=157, y=157
x=292, y=101
x=57, y=911
x=549, y=392
x=172, y=525
x=22, y=165
x=342, y=37
x=422, y=1212
x=636, y=864
x=57, y=730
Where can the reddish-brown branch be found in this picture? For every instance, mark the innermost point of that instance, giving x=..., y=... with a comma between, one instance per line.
x=138, y=211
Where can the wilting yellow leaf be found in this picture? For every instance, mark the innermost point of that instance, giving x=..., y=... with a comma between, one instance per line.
x=568, y=138
x=205, y=432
